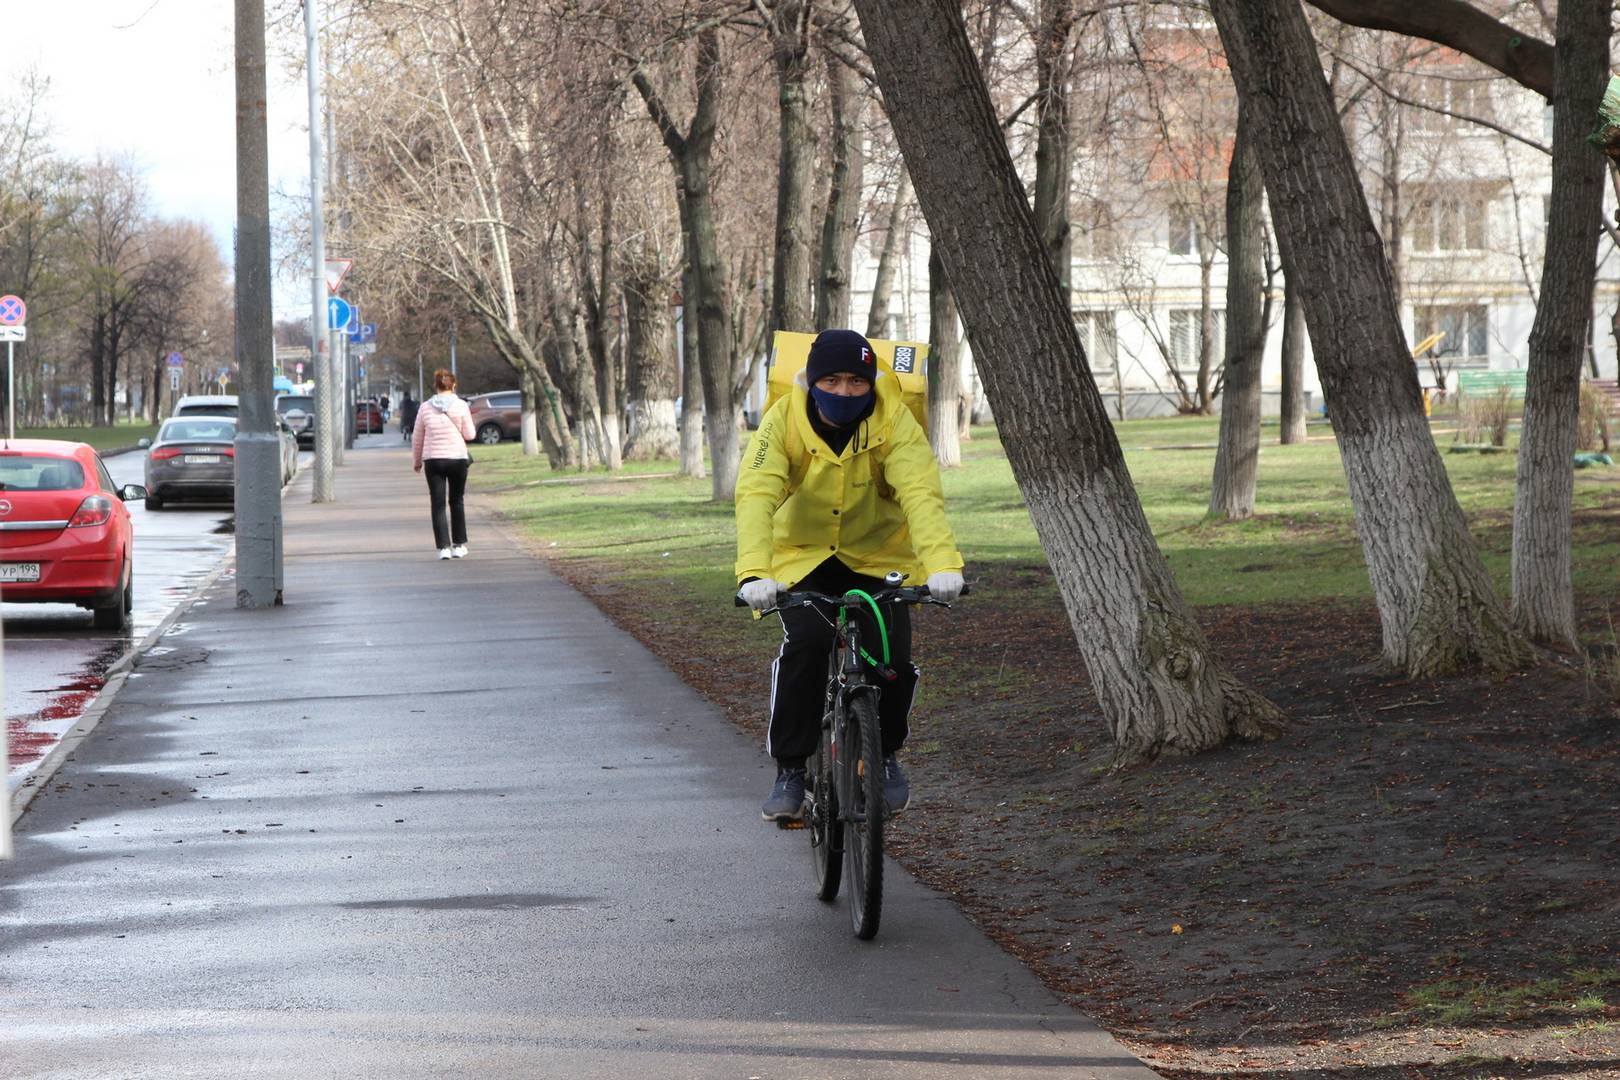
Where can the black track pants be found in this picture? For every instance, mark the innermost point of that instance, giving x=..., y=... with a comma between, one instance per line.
x=447, y=482
x=799, y=676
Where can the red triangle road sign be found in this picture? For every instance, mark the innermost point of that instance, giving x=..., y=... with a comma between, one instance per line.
x=336, y=271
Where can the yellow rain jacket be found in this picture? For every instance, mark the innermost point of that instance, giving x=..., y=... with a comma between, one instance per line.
x=877, y=506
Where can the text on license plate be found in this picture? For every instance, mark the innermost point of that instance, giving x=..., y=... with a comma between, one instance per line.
x=19, y=571
x=202, y=459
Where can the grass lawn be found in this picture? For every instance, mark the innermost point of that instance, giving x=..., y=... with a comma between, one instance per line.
x=1299, y=546
x=102, y=438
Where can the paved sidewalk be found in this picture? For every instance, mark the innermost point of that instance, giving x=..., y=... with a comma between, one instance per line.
x=443, y=819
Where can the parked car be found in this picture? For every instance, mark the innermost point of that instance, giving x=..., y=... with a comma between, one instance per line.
x=299, y=412
x=193, y=457
x=497, y=416
x=65, y=534
x=289, y=449
x=368, y=417
x=206, y=405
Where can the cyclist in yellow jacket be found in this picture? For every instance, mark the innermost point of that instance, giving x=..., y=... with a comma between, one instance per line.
x=838, y=488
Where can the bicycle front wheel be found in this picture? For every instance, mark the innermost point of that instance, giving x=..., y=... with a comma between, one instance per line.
x=824, y=826
x=863, y=841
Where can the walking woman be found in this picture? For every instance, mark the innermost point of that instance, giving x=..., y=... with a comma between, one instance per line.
x=439, y=448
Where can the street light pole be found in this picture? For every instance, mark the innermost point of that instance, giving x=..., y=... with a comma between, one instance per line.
x=258, y=445
x=452, y=347
x=317, y=311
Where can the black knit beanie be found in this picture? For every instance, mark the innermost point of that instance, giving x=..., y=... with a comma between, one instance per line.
x=834, y=351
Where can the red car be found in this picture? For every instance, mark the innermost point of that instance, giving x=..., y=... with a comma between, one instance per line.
x=65, y=533
x=368, y=417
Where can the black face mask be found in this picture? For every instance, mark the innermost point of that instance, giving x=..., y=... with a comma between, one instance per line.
x=839, y=409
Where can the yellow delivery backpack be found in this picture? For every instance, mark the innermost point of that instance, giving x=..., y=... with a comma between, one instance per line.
x=906, y=360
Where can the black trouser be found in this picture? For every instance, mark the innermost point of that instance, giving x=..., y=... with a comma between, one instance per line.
x=799, y=676
x=447, y=476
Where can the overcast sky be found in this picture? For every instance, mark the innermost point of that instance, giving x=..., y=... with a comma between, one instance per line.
x=153, y=79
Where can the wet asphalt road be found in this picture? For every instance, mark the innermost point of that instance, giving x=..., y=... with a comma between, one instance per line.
x=444, y=819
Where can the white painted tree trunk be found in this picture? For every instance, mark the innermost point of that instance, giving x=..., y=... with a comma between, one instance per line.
x=1438, y=607
x=1543, y=590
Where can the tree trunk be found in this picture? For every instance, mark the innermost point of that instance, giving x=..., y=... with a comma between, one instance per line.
x=1543, y=594
x=1293, y=364
x=1161, y=688
x=791, y=307
x=1439, y=609
x=848, y=101
x=1203, y=393
x=528, y=422
x=154, y=408
x=944, y=368
x=877, y=319
x=1237, y=459
x=650, y=358
x=1052, y=179
x=599, y=284
x=691, y=407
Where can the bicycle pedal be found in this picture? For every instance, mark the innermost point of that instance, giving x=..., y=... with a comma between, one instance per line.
x=790, y=823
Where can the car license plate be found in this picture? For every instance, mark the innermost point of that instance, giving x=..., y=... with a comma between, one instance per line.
x=19, y=571
x=202, y=459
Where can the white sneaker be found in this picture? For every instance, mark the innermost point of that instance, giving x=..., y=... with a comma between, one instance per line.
x=459, y=551
x=444, y=553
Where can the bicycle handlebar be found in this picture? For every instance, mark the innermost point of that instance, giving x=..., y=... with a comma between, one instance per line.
x=906, y=594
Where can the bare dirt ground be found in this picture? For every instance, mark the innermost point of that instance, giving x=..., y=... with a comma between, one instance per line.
x=1419, y=879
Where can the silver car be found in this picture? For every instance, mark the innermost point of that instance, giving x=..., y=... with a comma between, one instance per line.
x=193, y=457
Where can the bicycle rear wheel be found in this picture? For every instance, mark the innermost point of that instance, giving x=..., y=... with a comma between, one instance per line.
x=863, y=841
x=823, y=824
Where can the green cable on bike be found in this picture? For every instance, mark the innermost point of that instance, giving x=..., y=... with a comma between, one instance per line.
x=883, y=629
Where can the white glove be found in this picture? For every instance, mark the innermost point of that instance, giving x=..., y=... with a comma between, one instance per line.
x=945, y=586
x=760, y=594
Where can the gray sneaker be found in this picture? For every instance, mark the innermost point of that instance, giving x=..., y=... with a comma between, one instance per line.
x=787, y=796
x=896, y=789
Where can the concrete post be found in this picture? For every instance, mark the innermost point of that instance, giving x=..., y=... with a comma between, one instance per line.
x=258, y=444
x=322, y=355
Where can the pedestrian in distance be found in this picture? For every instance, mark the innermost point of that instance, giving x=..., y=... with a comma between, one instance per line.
x=407, y=413
x=439, y=449
x=838, y=488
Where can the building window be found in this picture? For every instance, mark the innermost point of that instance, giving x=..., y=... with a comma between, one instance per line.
x=1466, y=326
x=1183, y=232
x=1184, y=327
x=1100, y=338
x=1464, y=97
x=1448, y=221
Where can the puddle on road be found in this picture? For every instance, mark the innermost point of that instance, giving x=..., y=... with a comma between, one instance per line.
x=31, y=735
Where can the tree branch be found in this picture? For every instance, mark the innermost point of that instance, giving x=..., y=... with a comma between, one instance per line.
x=1526, y=60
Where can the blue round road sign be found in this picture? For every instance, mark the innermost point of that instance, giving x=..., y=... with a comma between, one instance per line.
x=13, y=312
x=338, y=313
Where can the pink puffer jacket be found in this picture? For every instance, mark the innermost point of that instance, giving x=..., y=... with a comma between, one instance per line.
x=443, y=426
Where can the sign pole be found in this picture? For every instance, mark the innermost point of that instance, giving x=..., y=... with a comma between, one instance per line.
x=11, y=390
x=5, y=783
x=258, y=445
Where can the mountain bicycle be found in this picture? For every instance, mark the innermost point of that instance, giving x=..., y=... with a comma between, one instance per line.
x=844, y=811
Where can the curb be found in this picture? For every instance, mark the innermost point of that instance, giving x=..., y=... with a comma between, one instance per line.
x=114, y=451
x=117, y=675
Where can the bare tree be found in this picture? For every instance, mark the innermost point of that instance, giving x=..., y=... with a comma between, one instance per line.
x=708, y=295
x=1162, y=689
x=1439, y=610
